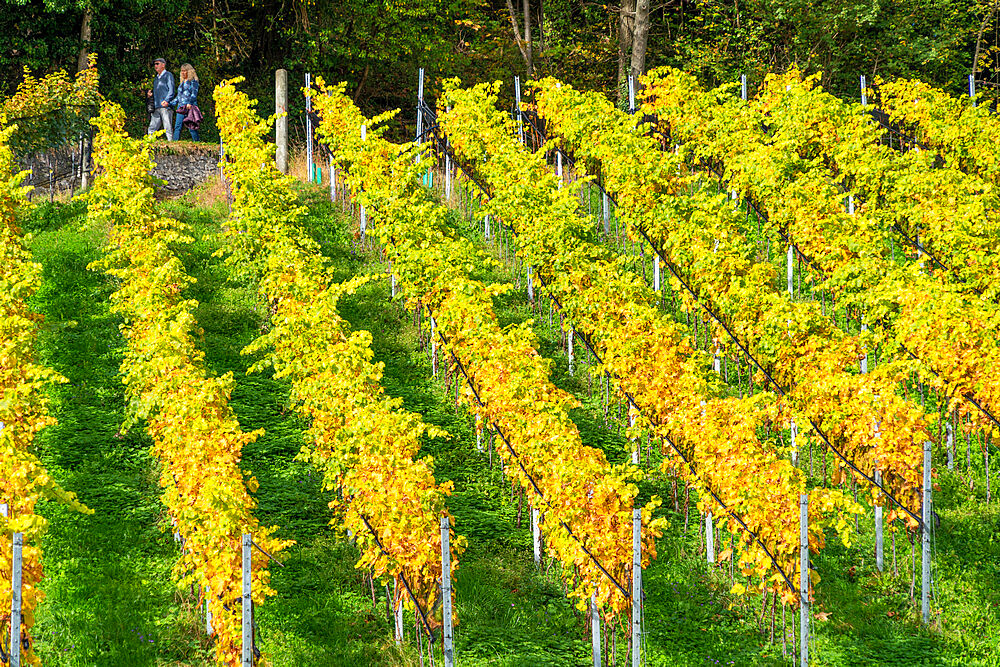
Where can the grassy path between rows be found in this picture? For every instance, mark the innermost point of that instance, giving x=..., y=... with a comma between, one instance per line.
x=109, y=595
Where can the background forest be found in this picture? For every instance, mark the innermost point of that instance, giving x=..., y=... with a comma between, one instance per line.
x=377, y=45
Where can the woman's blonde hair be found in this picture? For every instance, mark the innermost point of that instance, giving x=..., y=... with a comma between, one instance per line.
x=192, y=75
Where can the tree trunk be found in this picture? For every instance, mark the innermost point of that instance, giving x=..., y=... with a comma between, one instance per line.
x=541, y=25
x=640, y=38
x=979, y=37
x=626, y=26
x=523, y=43
x=83, y=58
x=528, y=58
x=361, y=83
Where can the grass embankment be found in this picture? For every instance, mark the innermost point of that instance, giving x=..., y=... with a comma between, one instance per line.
x=111, y=600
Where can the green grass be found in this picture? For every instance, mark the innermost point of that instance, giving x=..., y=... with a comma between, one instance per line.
x=110, y=596
x=110, y=599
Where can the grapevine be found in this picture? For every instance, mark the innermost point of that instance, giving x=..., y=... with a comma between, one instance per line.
x=947, y=330
x=706, y=247
x=52, y=110
x=586, y=502
x=195, y=434
x=23, y=406
x=361, y=439
x=967, y=136
x=663, y=377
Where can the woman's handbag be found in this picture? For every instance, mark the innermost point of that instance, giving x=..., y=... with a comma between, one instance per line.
x=192, y=121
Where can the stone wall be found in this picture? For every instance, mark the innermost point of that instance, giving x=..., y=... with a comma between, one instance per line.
x=55, y=169
x=182, y=168
x=184, y=171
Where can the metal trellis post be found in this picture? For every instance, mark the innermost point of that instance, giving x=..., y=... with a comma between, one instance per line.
x=709, y=539
x=15, y=600
x=804, y=580
x=448, y=639
x=309, y=134
x=536, y=536
x=420, y=109
x=636, y=587
x=595, y=630
x=925, y=542
x=247, y=660
x=879, y=550
x=363, y=212
x=520, y=114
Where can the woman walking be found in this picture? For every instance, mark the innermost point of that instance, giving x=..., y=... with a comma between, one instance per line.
x=186, y=102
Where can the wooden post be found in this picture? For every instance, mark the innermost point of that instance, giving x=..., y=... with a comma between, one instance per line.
x=595, y=630
x=247, y=604
x=804, y=580
x=449, y=649
x=281, y=122
x=636, y=587
x=925, y=542
x=15, y=600
x=879, y=550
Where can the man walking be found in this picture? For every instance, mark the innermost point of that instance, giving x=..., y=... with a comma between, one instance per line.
x=163, y=90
